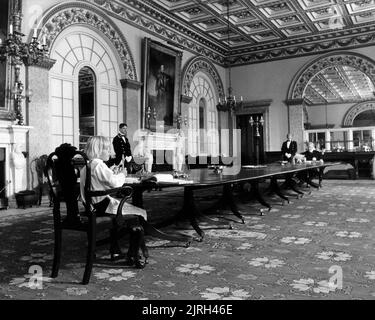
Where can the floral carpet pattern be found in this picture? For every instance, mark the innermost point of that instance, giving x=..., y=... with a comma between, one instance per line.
x=320, y=246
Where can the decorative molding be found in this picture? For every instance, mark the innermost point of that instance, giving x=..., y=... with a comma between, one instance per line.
x=257, y=103
x=354, y=111
x=45, y=63
x=152, y=17
x=292, y=50
x=295, y=102
x=64, y=15
x=131, y=84
x=193, y=66
x=142, y=16
x=186, y=99
x=307, y=72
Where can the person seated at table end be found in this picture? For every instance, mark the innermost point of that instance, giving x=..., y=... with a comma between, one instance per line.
x=312, y=154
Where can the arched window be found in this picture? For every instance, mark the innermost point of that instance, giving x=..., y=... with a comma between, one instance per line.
x=87, y=101
x=80, y=51
x=365, y=119
x=203, y=135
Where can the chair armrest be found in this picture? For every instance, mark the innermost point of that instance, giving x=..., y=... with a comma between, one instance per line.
x=125, y=191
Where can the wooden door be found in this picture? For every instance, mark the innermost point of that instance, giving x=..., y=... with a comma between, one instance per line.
x=249, y=140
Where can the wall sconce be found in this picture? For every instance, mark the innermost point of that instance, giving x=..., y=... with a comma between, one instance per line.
x=257, y=123
x=150, y=113
x=21, y=53
x=181, y=121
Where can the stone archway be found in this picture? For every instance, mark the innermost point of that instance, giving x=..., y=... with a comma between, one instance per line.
x=64, y=15
x=355, y=110
x=195, y=65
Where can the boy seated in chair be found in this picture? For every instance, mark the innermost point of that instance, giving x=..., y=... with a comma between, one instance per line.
x=102, y=178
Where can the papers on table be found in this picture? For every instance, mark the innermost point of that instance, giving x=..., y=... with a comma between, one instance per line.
x=163, y=177
x=254, y=167
x=131, y=180
x=183, y=181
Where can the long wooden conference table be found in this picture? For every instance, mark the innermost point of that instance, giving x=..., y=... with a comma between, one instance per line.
x=206, y=178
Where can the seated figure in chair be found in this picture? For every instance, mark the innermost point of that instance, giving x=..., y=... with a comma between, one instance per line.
x=98, y=151
x=312, y=155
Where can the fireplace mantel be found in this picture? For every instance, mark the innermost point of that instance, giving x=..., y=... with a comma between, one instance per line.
x=160, y=142
x=13, y=138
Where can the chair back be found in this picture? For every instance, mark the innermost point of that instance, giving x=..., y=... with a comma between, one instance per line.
x=62, y=172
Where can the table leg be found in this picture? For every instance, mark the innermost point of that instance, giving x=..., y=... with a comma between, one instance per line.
x=321, y=171
x=137, y=199
x=254, y=193
x=274, y=187
x=290, y=184
x=308, y=179
x=227, y=200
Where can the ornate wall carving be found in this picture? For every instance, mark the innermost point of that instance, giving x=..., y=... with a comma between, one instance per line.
x=355, y=60
x=354, y=111
x=142, y=16
x=195, y=65
x=64, y=15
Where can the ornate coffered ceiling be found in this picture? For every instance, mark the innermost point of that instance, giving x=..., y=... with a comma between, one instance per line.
x=268, y=29
x=263, y=30
x=260, y=30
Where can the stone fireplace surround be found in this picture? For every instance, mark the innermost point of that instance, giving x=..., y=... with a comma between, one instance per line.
x=14, y=139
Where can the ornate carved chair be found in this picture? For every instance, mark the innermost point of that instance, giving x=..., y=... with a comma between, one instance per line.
x=62, y=171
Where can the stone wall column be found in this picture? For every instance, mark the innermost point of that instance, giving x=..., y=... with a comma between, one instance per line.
x=38, y=115
x=296, y=122
x=132, y=109
x=185, y=101
x=328, y=140
x=350, y=140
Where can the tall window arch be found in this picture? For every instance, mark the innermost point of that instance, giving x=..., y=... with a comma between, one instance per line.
x=83, y=48
x=203, y=135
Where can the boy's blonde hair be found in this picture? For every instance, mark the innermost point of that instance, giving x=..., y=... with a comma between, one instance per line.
x=95, y=147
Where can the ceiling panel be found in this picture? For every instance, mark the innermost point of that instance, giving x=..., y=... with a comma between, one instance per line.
x=251, y=31
x=257, y=23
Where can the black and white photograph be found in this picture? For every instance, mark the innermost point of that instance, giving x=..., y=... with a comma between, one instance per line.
x=187, y=151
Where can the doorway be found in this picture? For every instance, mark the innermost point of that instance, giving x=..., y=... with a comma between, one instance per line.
x=249, y=140
x=87, y=84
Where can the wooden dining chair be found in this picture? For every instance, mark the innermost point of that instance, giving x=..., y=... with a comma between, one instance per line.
x=62, y=172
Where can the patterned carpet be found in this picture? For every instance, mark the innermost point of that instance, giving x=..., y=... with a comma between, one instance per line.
x=317, y=247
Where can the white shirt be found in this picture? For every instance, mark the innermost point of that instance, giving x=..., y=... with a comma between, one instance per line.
x=288, y=143
x=102, y=178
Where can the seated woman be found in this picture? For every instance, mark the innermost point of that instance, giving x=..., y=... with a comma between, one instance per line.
x=98, y=150
x=311, y=155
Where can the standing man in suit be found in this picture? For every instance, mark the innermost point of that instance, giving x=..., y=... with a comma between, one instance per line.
x=289, y=148
x=122, y=148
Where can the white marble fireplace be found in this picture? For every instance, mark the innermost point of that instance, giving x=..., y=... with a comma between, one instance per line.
x=158, y=141
x=14, y=139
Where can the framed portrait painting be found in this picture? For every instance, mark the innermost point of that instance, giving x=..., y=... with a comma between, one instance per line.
x=161, y=86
